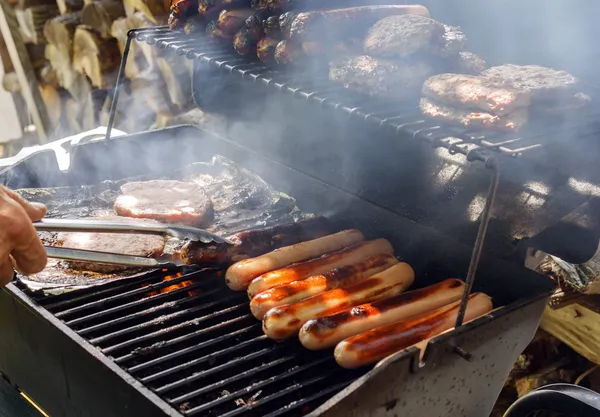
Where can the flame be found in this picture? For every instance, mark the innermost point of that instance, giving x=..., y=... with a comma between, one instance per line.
x=170, y=288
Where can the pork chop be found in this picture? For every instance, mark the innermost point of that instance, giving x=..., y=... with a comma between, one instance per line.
x=474, y=120
x=396, y=80
x=127, y=244
x=544, y=84
x=474, y=92
x=166, y=201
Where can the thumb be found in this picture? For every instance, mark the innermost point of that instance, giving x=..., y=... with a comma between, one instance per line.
x=35, y=211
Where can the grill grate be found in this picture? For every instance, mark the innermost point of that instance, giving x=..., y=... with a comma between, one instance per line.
x=194, y=343
x=402, y=119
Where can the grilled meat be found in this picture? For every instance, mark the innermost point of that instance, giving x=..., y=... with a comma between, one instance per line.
x=271, y=26
x=402, y=36
x=255, y=24
x=184, y=8
x=474, y=120
x=193, y=25
x=473, y=92
x=209, y=7
x=166, y=201
x=545, y=84
x=469, y=63
x=255, y=242
x=285, y=23
x=287, y=53
x=127, y=244
x=398, y=80
x=318, y=49
x=217, y=35
x=341, y=24
x=453, y=42
x=265, y=50
x=243, y=42
x=230, y=21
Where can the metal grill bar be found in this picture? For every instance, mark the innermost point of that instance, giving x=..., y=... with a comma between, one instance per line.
x=186, y=351
x=187, y=337
x=159, y=333
x=202, y=359
x=211, y=356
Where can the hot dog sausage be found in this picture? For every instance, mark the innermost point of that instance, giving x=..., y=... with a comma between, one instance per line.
x=376, y=344
x=285, y=321
x=327, y=331
x=338, y=277
x=347, y=256
x=240, y=274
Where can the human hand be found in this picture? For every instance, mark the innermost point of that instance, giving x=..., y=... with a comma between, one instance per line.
x=20, y=246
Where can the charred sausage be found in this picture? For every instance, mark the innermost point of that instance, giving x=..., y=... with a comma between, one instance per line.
x=327, y=331
x=217, y=35
x=300, y=290
x=265, y=50
x=376, y=344
x=254, y=242
x=271, y=26
x=285, y=321
x=287, y=53
x=240, y=274
x=347, y=256
x=340, y=24
x=209, y=8
x=255, y=24
x=230, y=21
x=285, y=23
x=243, y=42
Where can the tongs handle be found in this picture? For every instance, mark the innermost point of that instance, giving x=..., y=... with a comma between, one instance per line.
x=102, y=226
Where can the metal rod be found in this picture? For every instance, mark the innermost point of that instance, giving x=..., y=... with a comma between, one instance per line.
x=480, y=239
x=120, y=76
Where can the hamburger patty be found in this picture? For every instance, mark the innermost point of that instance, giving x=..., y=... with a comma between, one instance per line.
x=474, y=120
x=166, y=201
x=126, y=244
x=474, y=92
x=544, y=84
x=397, y=80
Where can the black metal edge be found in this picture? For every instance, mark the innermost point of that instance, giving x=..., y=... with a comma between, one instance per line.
x=124, y=383
x=441, y=350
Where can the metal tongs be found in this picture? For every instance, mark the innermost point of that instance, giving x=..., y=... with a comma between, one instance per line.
x=96, y=226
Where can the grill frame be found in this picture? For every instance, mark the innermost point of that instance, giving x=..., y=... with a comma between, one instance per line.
x=66, y=368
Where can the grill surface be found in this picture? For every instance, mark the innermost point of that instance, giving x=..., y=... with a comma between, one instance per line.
x=403, y=119
x=193, y=342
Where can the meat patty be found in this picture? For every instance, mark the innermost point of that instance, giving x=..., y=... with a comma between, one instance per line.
x=396, y=80
x=473, y=92
x=166, y=201
x=403, y=35
x=474, y=120
x=469, y=63
x=127, y=244
x=545, y=84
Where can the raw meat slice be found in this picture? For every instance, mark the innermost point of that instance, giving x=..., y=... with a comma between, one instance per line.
x=127, y=244
x=166, y=201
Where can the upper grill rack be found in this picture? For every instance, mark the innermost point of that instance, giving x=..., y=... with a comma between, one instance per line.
x=400, y=118
x=194, y=343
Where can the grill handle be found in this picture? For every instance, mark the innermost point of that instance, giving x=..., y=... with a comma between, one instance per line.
x=568, y=399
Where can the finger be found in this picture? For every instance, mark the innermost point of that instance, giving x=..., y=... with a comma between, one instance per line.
x=6, y=272
x=26, y=247
x=29, y=254
x=35, y=211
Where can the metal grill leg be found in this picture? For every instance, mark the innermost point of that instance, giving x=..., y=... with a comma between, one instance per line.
x=480, y=239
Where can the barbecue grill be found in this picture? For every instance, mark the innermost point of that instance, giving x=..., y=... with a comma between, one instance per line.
x=130, y=348
x=157, y=344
